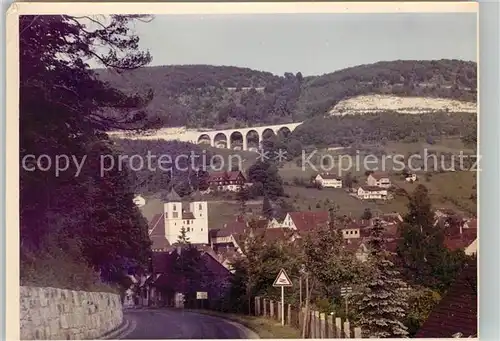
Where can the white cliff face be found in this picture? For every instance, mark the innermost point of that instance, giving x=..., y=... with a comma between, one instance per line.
x=404, y=105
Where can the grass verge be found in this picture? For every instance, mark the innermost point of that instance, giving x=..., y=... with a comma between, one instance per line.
x=265, y=328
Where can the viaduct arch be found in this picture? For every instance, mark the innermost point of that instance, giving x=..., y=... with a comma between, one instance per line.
x=242, y=138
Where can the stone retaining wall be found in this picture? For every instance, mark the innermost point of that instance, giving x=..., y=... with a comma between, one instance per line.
x=51, y=313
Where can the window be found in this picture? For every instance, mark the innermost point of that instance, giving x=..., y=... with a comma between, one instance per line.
x=188, y=222
x=175, y=214
x=188, y=229
x=174, y=208
x=202, y=229
x=199, y=207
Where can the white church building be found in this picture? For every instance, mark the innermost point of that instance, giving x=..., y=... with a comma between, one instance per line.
x=169, y=224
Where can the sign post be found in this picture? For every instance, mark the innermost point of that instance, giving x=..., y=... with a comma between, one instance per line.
x=282, y=280
x=202, y=296
x=345, y=291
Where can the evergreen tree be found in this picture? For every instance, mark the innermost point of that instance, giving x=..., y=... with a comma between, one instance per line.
x=242, y=197
x=189, y=265
x=65, y=109
x=183, y=239
x=367, y=214
x=267, y=208
x=422, y=253
x=382, y=308
x=266, y=173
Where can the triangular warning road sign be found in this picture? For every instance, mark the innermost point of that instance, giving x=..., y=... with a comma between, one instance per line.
x=282, y=280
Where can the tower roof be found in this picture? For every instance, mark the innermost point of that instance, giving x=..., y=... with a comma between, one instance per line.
x=172, y=196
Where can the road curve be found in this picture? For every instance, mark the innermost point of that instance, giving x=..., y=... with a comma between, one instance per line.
x=156, y=324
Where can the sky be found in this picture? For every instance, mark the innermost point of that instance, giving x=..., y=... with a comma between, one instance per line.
x=313, y=44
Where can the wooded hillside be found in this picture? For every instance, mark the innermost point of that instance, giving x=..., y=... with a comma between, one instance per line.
x=224, y=96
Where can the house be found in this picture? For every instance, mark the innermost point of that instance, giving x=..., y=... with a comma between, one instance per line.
x=378, y=180
x=305, y=221
x=227, y=238
x=328, y=180
x=273, y=223
x=456, y=238
x=456, y=314
x=139, y=201
x=411, y=178
x=351, y=231
x=227, y=181
x=165, y=286
x=165, y=228
x=372, y=192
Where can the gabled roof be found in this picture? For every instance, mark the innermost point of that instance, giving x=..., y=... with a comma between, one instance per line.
x=457, y=311
x=379, y=175
x=305, y=221
x=157, y=232
x=225, y=176
x=372, y=189
x=330, y=176
x=460, y=240
x=278, y=234
x=233, y=228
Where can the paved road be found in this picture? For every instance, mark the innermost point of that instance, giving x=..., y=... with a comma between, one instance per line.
x=179, y=324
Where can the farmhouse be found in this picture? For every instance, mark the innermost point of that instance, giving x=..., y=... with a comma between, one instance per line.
x=372, y=192
x=328, y=180
x=226, y=181
x=378, y=180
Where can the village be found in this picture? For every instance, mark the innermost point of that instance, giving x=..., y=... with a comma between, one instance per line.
x=222, y=246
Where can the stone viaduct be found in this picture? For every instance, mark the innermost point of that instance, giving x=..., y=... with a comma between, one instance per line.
x=242, y=138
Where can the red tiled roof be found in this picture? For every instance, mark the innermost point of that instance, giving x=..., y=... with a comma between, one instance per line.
x=233, y=228
x=457, y=311
x=460, y=241
x=305, y=221
x=278, y=234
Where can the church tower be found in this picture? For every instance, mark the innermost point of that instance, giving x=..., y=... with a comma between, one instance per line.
x=199, y=209
x=172, y=210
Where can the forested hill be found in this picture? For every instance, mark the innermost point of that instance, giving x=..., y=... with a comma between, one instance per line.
x=226, y=96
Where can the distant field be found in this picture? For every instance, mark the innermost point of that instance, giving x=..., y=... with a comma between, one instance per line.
x=305, y=198
x=219, y=212
x=453, y=190
x=447, y=190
